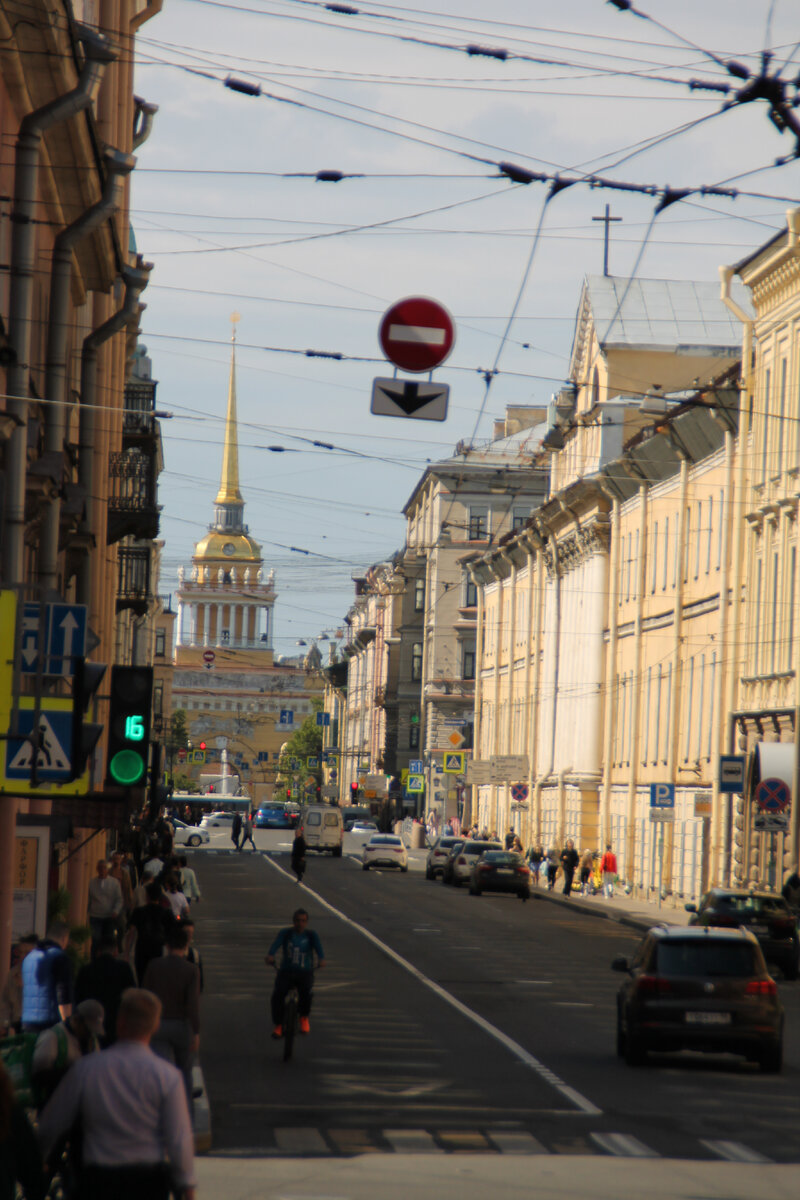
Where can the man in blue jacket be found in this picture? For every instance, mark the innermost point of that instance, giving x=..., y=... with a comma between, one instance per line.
x=298, y=945
x=47, y=981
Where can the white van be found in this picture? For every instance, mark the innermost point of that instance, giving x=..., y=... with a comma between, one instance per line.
x=323, y=828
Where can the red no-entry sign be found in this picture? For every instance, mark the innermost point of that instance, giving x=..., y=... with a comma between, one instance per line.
x=417, y=334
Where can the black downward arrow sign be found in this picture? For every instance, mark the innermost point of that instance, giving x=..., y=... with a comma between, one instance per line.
x=410, y=401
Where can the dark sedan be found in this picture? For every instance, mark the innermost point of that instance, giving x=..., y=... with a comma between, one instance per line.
x=500, y=871
x=699, y=989
x=767, y=916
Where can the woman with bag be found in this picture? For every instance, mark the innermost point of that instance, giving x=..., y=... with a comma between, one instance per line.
x=299, y=854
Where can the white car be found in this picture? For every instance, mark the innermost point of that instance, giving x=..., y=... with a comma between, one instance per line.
x=189, y=835
x=364, y=827
x=384, y=850
x=217, y=820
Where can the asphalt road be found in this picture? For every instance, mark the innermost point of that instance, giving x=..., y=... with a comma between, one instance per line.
x=444, y=1022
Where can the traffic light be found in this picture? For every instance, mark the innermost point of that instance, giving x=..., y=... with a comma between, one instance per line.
x=129, y=725
x=202, y=746
x=85, y=734
x=354, y=792
x=288, y=793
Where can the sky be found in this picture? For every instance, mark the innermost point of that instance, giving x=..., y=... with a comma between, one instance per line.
x=226, y=206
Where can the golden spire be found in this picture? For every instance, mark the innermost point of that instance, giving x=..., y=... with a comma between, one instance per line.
x=229, y=483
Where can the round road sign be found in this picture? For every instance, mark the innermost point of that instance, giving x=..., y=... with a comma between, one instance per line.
x=773, y=796
x=417, y=334
x=208, y=656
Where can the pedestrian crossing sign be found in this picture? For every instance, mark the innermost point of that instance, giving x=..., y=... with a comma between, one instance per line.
x=415, y=783
x=453, y=763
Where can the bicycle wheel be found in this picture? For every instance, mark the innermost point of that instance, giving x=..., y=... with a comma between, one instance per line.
x=289, y=1024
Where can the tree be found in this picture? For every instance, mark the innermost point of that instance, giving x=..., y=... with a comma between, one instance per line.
x=177, y=738
x=304, y=744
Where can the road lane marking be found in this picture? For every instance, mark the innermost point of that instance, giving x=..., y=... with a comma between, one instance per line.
x=510, y=1142
x=519, y=1052
x=623, y=1145
x=733, y=1151
x=412, y=1141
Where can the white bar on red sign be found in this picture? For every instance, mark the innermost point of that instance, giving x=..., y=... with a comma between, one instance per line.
x=417, y=333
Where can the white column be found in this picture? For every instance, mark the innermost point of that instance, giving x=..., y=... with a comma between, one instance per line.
x=219, y=624
x=179, y=639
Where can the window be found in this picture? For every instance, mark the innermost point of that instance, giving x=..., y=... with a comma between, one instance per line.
x=468, y=660
x=519, y=517
x=416, y=661
x=790, y=638
x=710, y=528
x=158, y=699
x=720, y=528
x=161, y=643
x=654, y=563
x=781, y=419
x=773, y=658
x=419, y=595
x=765, y=443
x=225, y=636
x=470, y=593
x=478, y=524
x=666, y=554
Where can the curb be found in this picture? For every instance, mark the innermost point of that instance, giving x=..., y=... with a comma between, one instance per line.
x=637, y=921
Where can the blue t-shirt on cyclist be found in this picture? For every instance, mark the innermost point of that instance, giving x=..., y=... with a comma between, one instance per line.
x=299, y=948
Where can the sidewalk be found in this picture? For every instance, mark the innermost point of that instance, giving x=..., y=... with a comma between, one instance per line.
x=627, y=910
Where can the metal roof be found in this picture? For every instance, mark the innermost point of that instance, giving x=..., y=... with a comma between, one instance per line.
x=666, y=314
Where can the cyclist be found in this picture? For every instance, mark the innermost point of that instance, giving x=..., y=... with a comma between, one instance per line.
x=298, y=945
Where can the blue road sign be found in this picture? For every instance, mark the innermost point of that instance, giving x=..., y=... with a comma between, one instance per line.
x=287, y=717
x=415, y=766
x=415, y=783
x=731, y=772
x=53, y=757
x=64, y=635
x=662, y=795
x=773, y=796
x=323, y=718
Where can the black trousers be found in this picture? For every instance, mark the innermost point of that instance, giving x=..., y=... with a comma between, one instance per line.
x=132, y=1182
x=284, y=980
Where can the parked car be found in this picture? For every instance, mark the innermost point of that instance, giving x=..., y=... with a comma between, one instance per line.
x=500, y=871
x=460, y=863
x=385, y=850
x=189, y=835
x=767, y=916
x=447, y=866
x=273, y=816
x=699, y=989
x=438, y=855
x=354, y=812
x=364, y=827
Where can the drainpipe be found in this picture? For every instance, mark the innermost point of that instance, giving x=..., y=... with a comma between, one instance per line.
x=735, y=623
x=537, y=564
x=118, y=166
x=550, y=536
x=611, y=697
x=99, y=53
x=135, y=280
x=143, y=114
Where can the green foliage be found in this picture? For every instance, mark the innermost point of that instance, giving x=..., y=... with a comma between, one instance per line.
x=57, y=905
x=305, y=743
x=184, y=784
x=178, y=734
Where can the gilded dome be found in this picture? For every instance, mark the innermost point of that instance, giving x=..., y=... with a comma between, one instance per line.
x=222, y=547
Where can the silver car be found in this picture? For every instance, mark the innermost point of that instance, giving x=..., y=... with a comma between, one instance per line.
x=439, y=854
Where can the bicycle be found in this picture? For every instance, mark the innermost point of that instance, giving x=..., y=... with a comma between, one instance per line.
x=290, y=1021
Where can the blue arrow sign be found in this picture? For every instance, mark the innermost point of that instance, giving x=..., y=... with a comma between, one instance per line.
x=415, y=766
x=64, y=636
x=323, y=718
x=287, y=717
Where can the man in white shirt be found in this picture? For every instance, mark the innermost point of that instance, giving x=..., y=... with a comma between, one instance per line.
x=105, y=905
x=134, y=1118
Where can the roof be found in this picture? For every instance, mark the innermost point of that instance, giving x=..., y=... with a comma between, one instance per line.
x=662, y=314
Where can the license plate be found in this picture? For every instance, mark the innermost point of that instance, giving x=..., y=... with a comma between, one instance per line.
x=505, y=870
x=708, y=1018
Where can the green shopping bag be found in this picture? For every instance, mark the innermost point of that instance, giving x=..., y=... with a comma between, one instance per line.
x=17, y=1055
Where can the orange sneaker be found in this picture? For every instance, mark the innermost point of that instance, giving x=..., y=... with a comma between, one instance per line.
x=277, y=1032
x=304, y=1025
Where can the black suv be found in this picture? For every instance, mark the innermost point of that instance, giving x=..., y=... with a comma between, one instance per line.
x=699, y=989
x=767, y=916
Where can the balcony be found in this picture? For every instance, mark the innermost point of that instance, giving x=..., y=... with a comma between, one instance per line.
x=138, y=416
x=133, y=579
x=132, y=507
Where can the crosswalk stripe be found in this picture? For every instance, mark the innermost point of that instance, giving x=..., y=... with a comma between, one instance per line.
x=623, y=1145
x=354, y=1141
x=301, y=1140
x=733, y=1151
x=411, y=1141
x=519, y=1142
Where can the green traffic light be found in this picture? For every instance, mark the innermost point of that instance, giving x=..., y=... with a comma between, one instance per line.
x=126, y=767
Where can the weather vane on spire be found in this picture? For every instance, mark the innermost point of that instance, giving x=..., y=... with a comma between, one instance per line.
x=235, y=319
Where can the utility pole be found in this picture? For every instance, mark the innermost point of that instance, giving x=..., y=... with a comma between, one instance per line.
x=607, y=220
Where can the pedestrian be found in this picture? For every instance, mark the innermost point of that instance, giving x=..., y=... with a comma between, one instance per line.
x=47, y=981
x=791, y=890
x=517, y=846
x=535, y=859
x=587, y=863
x=189, y=885
x=119, y=872
x=236, y=829
x=508, y=841
x=172, y=890
x=299, y=854
x=148, y=929
x=105, y=979
x=192, y=953
x=247, y=832
x=60, y=1046
x=176, y=982
x=20, y=1158
x=105, y=904
x=11, y=997
x=552, y=867
x=608, y=866
x=137, y=1135
x=569, y=861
